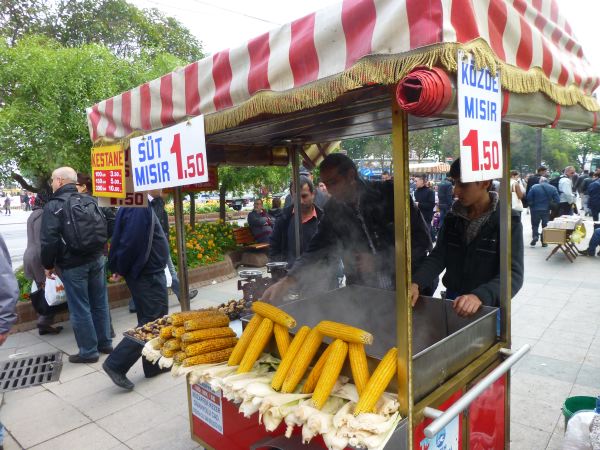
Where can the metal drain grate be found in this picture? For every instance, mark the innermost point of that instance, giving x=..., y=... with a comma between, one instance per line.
x=30, y=371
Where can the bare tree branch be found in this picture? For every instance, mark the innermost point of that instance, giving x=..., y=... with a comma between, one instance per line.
x=19, y=179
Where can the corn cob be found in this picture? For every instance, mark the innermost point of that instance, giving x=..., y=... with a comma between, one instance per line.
x=167, y=332
x=242, y=345
x=302, y=360
x=212, y=357
x=212, y=345
x=381, y=377
x=177, y=319
x=259, y=342
x=184, y=345
x=331, y=372
x=209, y=333
x=290, y=358
x=159, y=343
x=178, y=332
x=214, y=321
x=274, y=313
x=345, y=332
x=167, y=353
x=172, y=344
x=179, y=357
x=315, y=373
x=358, y=364
x=282, y=337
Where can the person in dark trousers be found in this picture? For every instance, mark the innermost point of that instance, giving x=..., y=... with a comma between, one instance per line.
x=565, y=190
x=539, y=199
x=535, y=179
x=594, y=198
x=261, y=224
x=445, y=197
x=82, y=272
x=468, y=249
x=276, y=210
x=358, y=228
x=139, y=252
x=32, y=259
x=425, y=199
x=585, y=194
x=7, y=205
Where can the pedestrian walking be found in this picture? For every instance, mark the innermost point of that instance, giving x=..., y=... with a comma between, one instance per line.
x=7, y=205
x=445, y=197
x=540, y=199
x=594, y=197
x=565, y=190
x=424, y=199
x=517, y=192
x=585, y=196
x=74, y=233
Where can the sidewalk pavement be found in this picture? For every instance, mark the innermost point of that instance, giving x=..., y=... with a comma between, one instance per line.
x=556, y=312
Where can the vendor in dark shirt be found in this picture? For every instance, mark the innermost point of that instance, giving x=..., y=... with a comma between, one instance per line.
x=358, y=227
x=468, y=249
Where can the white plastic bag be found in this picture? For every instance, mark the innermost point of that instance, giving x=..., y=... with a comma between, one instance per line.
x=55, y=292
x=577, y=436
x=168, y=276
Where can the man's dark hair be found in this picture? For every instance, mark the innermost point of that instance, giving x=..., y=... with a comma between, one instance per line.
x=304, y=180
x=276, y=202
x=341, y=162
x=586, y=171
x=385, y=172
x=422, y=177
x=541, y=169
x=514, y=172
x=455, y=170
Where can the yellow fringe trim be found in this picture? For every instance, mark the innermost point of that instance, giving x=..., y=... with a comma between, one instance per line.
x=388, y=70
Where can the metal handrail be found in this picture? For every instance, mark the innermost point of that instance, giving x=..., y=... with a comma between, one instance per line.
x=443, y=418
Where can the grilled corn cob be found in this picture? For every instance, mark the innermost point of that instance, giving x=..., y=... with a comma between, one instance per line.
x=178, y=332
x=331, y=372
x=201, y=323
x=259, y=342
x=212, y=345
x=209, y=333
x=177, y=319
x=167, y=332
x=302, y=360
x=274, y=313
x=206, y=358
x=167, y=353
x=358, y=364
x=315, y=373
x=345, y=332
x=179, y=357
x=290, y=357
x=381, y=377
x=282, y=337
x=159, y=343
x=172, y=344
x=242, y=345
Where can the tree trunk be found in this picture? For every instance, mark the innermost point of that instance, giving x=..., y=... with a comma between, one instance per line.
x=222, y=192
x=25, y=185
x=192, y=209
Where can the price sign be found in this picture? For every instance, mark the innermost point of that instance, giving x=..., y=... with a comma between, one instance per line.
x=479, y=119
x=211, y=185
x=108, y=171
x=131, y=199
x=175, y=156
x=207, y=405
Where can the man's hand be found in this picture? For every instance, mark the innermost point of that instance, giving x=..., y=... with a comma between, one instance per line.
x=414, y=293
x=275, y=293
x=466, y=305
x=50, y=273
x=3, y=338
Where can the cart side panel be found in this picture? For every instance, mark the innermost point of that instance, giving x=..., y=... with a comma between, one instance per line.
x=486, y=418
x=420, y=442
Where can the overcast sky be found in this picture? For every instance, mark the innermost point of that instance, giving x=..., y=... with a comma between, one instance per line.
x=222, y=24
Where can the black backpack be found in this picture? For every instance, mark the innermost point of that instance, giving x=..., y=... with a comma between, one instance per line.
x=84, y=227
x=555, y=182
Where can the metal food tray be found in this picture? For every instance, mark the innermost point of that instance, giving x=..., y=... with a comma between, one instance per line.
x=134, y=339
x=443, y=342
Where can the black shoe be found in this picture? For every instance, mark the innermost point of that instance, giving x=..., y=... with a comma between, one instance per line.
x=193, y=293
x=131, y=310
x=118, y=378
x=76, y=359
x=544, y=245
x=533, y=242
x=106, y=350
x=47, y=329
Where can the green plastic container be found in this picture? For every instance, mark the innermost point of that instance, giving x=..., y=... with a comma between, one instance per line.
x=573, y=405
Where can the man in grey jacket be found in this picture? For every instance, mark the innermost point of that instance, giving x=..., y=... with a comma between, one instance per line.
x=565, y=189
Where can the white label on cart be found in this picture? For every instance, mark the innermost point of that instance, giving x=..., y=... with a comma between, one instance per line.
x=207, y=405
x=479, y=119
x=447, y=439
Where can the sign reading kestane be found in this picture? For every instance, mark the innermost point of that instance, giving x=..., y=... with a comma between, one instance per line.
x=479, y=121
x=131, y=199
x=175, y=156
x=108, y=171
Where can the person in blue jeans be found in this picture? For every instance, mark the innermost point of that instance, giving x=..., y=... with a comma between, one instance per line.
x=82, y=272
x=593, y=245
x=539, y=198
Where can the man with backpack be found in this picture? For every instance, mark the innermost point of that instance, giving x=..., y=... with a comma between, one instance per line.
x=73, y=235
x=564, y=184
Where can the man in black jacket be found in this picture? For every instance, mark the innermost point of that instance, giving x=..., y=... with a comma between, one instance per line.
x=468, y=248
x=535, y=179
x=425, y=199
x=81, y=273
x=358, y=227
x=445, y=197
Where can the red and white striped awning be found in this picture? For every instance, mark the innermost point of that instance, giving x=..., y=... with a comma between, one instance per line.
x=353, y=44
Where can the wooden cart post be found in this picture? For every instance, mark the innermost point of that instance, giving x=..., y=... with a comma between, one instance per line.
x=182, y=273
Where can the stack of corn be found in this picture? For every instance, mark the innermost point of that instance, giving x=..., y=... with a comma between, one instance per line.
x=197, y=337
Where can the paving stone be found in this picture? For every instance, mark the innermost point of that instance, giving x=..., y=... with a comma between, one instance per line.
x=563, y=352
x=80, y=387
x=549, y=368
x=574, y=338
x=556, y=442
x=523, y=437
x=589, y=376
x=534, y=413
x=89, y=437
x=106, y=402
x=173, y=434
x=541, y=388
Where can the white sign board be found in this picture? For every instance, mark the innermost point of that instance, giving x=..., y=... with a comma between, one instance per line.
x=446, y=439
x=479, y=119
x=175, y=156
x=132, y=199
x=207, y=405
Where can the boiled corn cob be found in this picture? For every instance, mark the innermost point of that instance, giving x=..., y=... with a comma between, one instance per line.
x=259, y=342
x=242, y=345
x=274, y=313
x=212, y=345
x=345, y=332
x=315, y=373
x=167, y=353
x=381, y=377
x=201, y=323
x=159, y=343
x=178, y=332
x=358, y=364
x=206, y=358
x=209, y=333
x=167, y=332
x=177, y=319
x=282, y=337
x=302, y=360
x=179, y=357
x=290, y=358
x=330, y=374
x=172, y=344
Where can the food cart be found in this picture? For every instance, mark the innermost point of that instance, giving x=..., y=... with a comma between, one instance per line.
x=365, y=68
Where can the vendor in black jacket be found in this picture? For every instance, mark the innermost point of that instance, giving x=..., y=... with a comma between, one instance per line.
x=358, y=227
x=468, y=248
